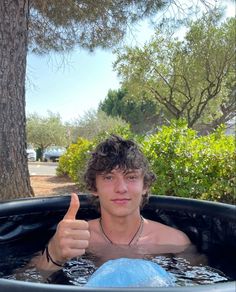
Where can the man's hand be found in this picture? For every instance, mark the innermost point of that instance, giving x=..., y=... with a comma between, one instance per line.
x=71, y=237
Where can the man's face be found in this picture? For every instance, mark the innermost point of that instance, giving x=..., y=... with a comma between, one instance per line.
x=120, y=192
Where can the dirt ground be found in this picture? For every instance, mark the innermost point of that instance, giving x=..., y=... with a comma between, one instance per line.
x=52, y=185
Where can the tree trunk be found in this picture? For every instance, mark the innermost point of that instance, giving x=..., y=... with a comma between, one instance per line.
x=14, y=173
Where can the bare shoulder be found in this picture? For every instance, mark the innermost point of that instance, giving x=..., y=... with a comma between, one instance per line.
x=166, y=235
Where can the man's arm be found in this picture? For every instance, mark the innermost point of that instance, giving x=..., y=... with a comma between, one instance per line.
x=70, y=240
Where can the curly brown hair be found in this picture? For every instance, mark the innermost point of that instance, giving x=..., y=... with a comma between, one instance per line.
x=116, y=152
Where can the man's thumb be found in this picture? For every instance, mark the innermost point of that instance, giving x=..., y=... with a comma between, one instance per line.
x=73, y=208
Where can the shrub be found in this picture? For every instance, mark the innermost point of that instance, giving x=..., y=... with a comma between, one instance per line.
x=185, y=164
x=73, y=162
x=190, y=166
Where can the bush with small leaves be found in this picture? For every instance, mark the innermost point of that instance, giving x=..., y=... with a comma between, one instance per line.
x=188, y=165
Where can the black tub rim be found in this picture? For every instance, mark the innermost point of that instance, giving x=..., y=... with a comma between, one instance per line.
x=42, y=204
x=18, y=206
x=16, y=285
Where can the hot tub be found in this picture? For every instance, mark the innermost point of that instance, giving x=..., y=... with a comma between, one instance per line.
x=210, y=226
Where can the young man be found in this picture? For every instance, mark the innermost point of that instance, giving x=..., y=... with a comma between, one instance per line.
x=118, y=176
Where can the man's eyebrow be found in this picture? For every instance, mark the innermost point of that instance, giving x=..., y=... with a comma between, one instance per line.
x=132, y=171
x=125, y=171
x=106, y=172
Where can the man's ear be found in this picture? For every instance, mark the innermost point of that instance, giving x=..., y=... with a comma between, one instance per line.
x=145, y=190
x=95, y=194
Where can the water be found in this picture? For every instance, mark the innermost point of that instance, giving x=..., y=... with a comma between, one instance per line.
x=188, y=268
x=188, y=275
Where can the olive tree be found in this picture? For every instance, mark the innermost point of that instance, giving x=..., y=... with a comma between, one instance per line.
x=46, y=131
x=191, y=78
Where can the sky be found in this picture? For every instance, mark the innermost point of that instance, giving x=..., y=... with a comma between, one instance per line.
x=77, y=83
x=70, y=89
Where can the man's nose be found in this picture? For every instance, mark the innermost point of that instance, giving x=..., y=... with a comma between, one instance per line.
x=120, y=186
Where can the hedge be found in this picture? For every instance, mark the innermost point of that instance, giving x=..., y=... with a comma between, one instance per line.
x=186, y=165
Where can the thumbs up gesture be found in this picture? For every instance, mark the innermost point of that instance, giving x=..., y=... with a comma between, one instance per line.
x=71, y=237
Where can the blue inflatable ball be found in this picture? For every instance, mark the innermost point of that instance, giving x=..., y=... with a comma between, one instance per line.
x=126, y=272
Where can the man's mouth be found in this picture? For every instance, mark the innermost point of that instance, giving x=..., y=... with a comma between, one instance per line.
x=121, y=201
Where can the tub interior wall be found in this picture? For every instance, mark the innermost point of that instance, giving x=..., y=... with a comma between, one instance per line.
x=30, y=223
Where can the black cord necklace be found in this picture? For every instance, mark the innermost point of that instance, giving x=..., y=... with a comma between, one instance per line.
x=139, y=230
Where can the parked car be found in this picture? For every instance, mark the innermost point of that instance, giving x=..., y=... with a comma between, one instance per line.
x=53, y=153
x=31, y=153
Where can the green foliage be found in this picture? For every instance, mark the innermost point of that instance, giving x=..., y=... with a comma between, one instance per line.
x=46, y=131
x=142, y=114
x=73, y=162
x=190, y=166
x=94, y=123
x=186, y=165
x=61, y=25
x=189, y=78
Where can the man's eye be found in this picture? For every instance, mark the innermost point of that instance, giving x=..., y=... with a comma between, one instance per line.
x=107, y=177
